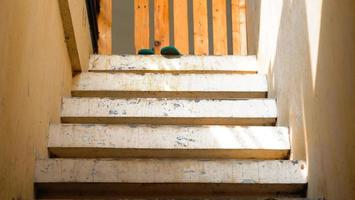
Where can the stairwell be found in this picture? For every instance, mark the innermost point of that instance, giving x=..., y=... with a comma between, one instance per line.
x=187, y=127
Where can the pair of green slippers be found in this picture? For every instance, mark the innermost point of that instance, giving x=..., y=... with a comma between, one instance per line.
x=166, y=51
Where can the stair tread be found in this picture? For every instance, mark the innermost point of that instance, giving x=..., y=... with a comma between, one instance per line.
x=168, y=177
x=170, y=171
x=169, y=85
x=92, y=141
x=183, y=64
x=169, y=111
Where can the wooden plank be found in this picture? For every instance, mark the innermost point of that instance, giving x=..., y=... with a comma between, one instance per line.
x=243, y=29
x=122, y=141
x=181, y=29
x=70, y=35
x=219, y=13
x=200, y=20
x=236, y=27
x=163, y=177
x=104, y=21
x=169, y=111
x=141, y=25
x=201, y=86
x=161, y=23
x=184, y=64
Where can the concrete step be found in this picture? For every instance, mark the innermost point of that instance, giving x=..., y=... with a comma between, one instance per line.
x=183, y=64
x=168, y=111
x=124, y=141
x=168, y=177
x=126, y=85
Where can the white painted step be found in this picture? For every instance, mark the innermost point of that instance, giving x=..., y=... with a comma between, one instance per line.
x=124, y=141
x=168, y=111
x=168, y=177
x=183, y=64
x=128, y=85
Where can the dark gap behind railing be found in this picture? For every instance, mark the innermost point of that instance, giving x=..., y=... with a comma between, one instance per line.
x=93, y=9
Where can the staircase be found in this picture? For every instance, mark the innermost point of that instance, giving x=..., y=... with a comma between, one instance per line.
x=188, y=127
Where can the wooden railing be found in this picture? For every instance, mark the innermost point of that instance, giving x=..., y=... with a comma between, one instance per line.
x=201, y=23
x=104, y=20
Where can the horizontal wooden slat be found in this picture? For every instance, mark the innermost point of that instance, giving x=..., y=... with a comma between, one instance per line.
x=126, y=85
x=184, y=64
x=164, y=111
x=95, y=141
x=168, y=177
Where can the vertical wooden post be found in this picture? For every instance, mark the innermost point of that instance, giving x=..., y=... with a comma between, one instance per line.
x=104, y=21
x=236, y=27
x=141, y=24
x=161, y=23
x=181, y=28
x=243, y=29
x=200, y=27
x=219, y=13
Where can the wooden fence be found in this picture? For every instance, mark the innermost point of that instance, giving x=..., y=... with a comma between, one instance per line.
x=181, y=17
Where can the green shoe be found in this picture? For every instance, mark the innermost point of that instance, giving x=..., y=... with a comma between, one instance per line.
x=170, y=51
x=146, y=52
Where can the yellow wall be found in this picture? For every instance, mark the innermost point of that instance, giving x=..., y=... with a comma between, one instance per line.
x=35, y=72
x=307, y=48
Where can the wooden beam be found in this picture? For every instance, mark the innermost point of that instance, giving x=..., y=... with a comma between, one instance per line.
x=181, y=28
x=141, y=25
x=70, y=35
x=243, y=29
x=219, y=14
x=161, y=23
x=236, y=27
x=104, y=21
x=200, y=20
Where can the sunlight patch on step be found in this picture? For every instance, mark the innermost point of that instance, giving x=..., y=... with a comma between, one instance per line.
x=226, y=138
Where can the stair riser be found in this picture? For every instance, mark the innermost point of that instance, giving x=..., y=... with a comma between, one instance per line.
x=183, y=64
x=172, y=121
x=69, y=152
x=172, y=95
x=114, y=190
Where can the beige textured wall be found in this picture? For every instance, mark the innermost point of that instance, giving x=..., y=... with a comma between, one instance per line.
x=307, y=48
x=35, y=72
